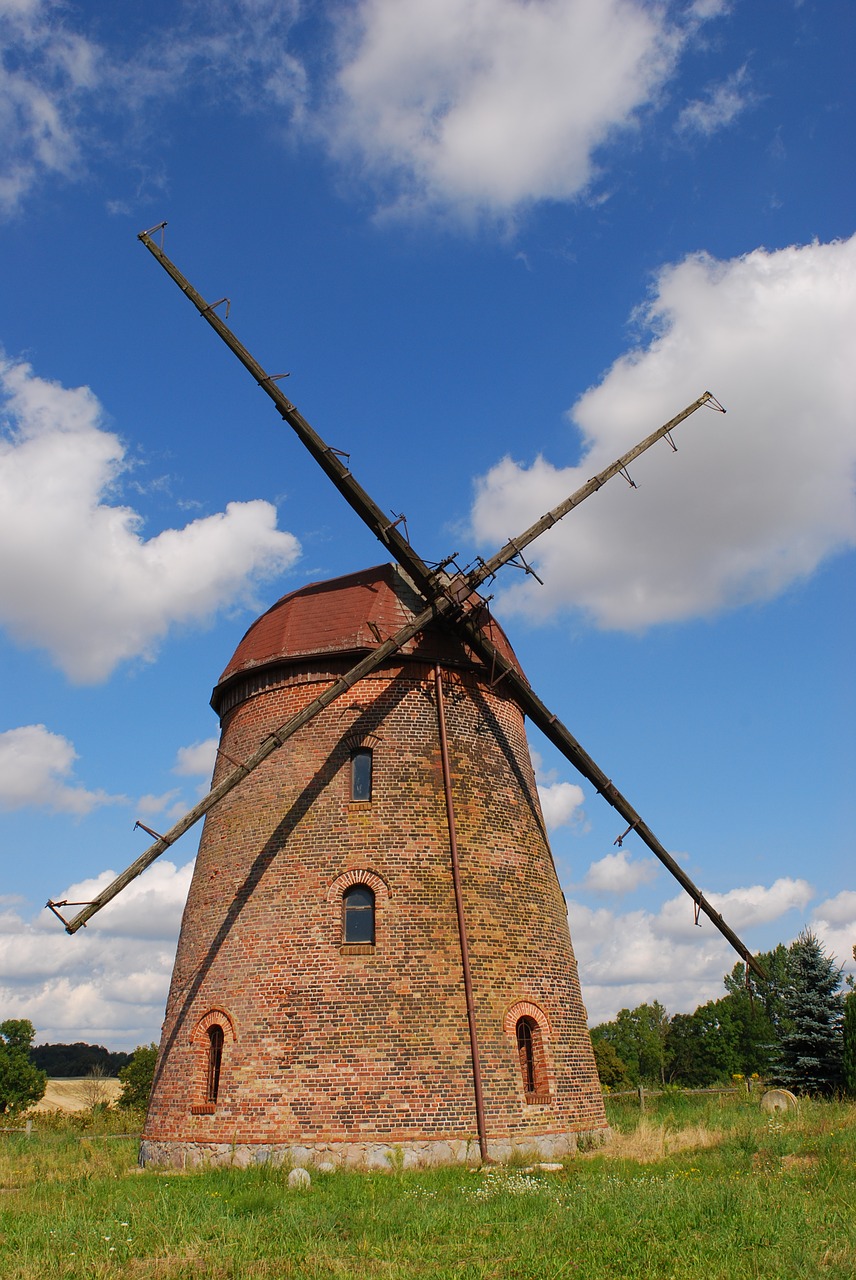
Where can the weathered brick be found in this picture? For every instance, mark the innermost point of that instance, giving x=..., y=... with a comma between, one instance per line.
x=346, y=1052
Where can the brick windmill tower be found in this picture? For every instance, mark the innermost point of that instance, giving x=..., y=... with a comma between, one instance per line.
x=374, y=956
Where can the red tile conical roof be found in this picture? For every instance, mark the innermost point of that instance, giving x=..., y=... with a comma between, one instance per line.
x=349, y=615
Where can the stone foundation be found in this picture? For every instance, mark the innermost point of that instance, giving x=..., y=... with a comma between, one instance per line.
x=366, y=1155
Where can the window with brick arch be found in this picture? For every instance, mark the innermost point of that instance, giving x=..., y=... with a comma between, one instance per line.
x=358, y=915
x=361, y=774
x=215, y=1059
x=530, y=1055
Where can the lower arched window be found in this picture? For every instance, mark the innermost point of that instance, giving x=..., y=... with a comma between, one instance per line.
x=532, y=1059
x=526, y=1030
x=358, y=915
x=215, y=1059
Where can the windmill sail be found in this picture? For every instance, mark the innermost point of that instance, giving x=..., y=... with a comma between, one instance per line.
x=452, y=597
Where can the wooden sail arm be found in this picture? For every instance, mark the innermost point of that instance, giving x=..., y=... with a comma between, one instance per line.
x=515, y=546
x=561, y=737
x=237, y=775
x=382, y=525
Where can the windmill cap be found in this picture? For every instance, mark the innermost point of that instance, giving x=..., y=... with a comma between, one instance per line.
x=349, y=615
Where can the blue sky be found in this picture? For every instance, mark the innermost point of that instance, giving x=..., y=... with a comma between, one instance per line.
x=494, y=244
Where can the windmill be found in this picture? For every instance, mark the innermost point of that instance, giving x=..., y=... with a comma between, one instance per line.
x=375, y=951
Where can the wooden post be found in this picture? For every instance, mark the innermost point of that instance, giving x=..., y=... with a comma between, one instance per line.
x=641, y=1100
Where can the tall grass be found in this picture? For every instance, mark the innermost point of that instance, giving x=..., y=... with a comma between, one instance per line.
x=695, y=1189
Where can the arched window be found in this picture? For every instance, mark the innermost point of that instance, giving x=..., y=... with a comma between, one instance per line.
x=358, y=915
x=361, y=774
x=526, y=1030
x=215, y=1058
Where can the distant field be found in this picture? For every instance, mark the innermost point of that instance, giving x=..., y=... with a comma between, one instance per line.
x=78, y=1093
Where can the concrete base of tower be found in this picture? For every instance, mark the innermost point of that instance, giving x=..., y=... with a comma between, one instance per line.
x=368, y=1155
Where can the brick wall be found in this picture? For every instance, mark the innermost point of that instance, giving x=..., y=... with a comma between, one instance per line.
x=325, y=1044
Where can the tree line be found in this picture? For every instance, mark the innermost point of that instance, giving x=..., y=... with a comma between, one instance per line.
x=796, y=1028
x=24, y=1069
x=78, y=1059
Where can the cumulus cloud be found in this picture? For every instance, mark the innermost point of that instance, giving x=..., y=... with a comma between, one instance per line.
x=720, y=106
x=57, y=83
x=106, y=984
x=77, y=578
x=753, y=501
x=561, y=802
x=46, y=73
x=742, y=908
x=36, y=768
x=197, y=760
x=628, y=958
x=492, y=104
x=834, y=922
x=619, y=873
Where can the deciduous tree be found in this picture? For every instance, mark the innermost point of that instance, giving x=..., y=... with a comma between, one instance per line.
x=137, y=1078
x=21, y=1082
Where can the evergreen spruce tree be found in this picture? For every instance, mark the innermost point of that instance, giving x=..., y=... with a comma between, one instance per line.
x=810, y=1056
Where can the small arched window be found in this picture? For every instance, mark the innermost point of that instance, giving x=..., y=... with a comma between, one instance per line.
x=358, y=915
x=526, y=1032
x=361, y=774
x=215, y=1058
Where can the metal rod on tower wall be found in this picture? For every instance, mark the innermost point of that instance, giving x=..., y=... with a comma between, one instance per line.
x=459, y=909
x=561, y=737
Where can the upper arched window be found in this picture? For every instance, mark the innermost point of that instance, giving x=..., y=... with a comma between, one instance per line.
x=358, y=915
x=361, y=774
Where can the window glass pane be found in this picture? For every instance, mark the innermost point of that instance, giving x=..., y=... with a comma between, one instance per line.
x=359, y=896
x=361, y=775
x=359, y=922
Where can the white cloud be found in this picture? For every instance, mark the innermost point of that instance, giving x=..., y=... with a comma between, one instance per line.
x=561, y=803
x=618, y=873
x=720, y=106
x=741, y=908
x=753, y=501
x=47, y=73
x=103, y=985
x=197, y=760
x=77, y=578
x=625, y=960
x=834, y=923
x=227, y=49
x=35, y=771
x=150, y=805
x=57, y=84
x=491, y=104
x=839, y=910
x=629, y=958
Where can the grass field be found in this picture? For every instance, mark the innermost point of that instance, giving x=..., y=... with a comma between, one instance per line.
x=708, y=1188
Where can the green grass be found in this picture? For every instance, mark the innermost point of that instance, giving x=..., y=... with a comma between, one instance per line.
x=772, y=1199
